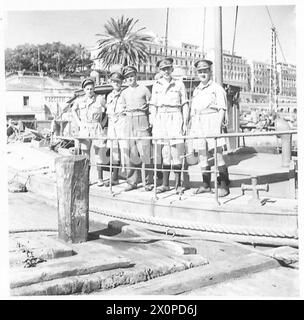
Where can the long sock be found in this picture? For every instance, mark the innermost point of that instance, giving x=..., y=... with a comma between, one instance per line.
x=115, y=174
x=223, y=174
x=206, y=177
x=166, y=175
x=99, y=172
x=177, y=175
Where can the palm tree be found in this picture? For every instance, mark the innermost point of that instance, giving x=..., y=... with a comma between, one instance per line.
x=121, y=45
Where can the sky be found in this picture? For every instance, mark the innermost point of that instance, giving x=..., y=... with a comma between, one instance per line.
x=186, y=24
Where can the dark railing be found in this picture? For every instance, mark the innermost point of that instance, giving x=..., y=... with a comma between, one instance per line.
x=184, y=138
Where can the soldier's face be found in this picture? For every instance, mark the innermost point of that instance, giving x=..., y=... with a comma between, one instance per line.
x=131, y=78
x=116, y=84
x=204, y=75
x=89, y=90
x=166, y=72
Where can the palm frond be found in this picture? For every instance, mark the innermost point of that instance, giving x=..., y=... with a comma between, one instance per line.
x=121, y=45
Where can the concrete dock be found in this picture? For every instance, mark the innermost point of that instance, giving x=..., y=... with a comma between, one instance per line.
x=104, y=263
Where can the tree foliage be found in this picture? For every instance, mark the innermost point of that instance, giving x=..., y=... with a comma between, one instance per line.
x=53, y=57
x=121, y=45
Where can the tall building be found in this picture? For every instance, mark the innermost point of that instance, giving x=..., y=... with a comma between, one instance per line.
x=287, y=81
x=236, y=71
x=259, y=81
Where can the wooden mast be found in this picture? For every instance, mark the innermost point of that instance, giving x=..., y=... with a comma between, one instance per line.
x=166, y=36
x=218, y=63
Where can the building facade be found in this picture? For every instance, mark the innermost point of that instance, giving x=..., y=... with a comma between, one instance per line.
x=287, y=81
x=259, y=79
x=35, y=97
x=236, y=71
x=253, y=77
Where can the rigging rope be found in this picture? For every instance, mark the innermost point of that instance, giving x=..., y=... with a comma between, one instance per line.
x=235, y=24
x=203, y=47
x=233, y=42
x=272, y=24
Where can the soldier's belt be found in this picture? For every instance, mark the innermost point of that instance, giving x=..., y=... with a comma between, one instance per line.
x=136, y=112
x=168, y=108
x=92, y=122
x=205, y=111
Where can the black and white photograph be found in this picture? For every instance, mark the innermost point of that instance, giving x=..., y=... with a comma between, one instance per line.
x=151, y=150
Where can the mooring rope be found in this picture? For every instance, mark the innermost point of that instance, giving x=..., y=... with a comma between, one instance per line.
x=33, y=230
x=224, y=229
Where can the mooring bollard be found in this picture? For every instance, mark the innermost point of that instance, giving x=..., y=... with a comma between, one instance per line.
x=72, y=176
x=255, y=200
x=286, y=149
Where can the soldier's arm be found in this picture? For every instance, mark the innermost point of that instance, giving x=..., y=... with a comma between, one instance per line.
x=185, y=105
x=104, y=116
x=221, y=98
x=152, y=105
x=148, y=98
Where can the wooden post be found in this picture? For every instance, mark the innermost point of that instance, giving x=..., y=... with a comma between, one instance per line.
x=72, y=176
x=218, y=63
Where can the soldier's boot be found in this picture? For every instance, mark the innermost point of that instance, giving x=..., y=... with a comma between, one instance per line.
x=206, y=181
x=223, y=181
x=165, y=186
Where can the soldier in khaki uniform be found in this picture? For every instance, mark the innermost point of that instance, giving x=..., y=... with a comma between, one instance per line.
x=89, y=114
x=208, y=108
x=136, y=100
x=169, y=114
x=117, y=122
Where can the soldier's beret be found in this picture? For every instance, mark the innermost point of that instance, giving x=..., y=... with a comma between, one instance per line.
x=164, y=63
x=87, y=81
x=116, y=76
x=202, y=64
x=128, y=69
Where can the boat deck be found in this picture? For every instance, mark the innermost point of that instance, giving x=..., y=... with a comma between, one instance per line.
x=278, y=208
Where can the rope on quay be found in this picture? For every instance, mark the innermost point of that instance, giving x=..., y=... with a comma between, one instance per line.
x=15, y=186
x=33, y=230
x=218, y=229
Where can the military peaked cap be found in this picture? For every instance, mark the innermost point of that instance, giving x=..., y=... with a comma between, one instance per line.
x=116, y=76
x=164, y=63
x=128, y=69
x=87, y=81
x=202, y=64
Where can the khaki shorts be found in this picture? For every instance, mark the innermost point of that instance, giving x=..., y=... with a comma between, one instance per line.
x=204, y=125
x=166, y=125
x=137, y=126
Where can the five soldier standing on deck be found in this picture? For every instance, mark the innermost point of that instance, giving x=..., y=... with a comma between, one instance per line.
x=133, y=111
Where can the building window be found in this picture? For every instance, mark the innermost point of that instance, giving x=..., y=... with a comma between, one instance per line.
x=26, y=101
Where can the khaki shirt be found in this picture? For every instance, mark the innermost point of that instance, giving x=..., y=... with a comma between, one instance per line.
x=114, y=103
x=166, y=93
x=90, y=109
x=208, y=98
